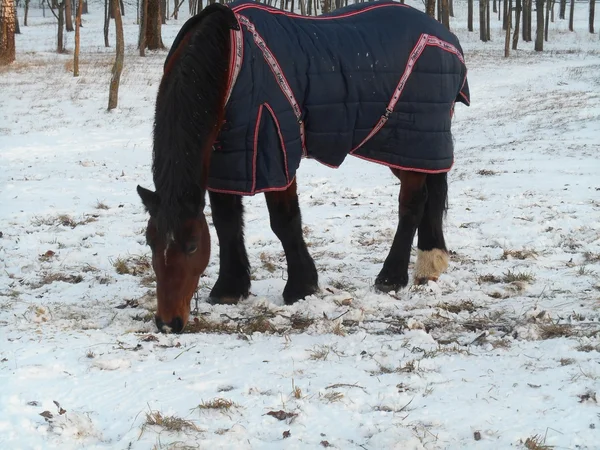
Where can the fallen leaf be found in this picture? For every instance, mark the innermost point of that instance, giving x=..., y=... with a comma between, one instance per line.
x=281, y=415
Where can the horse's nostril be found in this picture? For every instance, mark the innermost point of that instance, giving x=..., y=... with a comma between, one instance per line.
x=177, y=325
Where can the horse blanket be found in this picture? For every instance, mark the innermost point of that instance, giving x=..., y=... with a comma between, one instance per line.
x=374, y=80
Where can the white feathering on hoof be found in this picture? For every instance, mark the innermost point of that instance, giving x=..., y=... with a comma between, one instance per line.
x=430, y=264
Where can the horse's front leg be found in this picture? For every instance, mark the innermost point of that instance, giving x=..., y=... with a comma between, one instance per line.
x=412, y=198
x=286, y=223
x=233, y=283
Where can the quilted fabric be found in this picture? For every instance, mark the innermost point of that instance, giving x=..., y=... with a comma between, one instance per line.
x=343, y=69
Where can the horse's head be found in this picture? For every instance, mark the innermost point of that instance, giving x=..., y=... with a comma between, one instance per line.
x=180, y=243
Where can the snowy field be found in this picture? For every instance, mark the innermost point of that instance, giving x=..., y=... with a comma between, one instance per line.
x=503, y=352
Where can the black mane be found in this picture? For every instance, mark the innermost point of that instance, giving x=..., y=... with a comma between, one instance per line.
x=188, y=107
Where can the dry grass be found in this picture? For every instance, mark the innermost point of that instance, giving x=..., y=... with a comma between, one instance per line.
x=219, y=404
x=133, y=265
x=489, y=278
x=511, y=277
x=552, y=330
x=101, y=205
x=486, y=172
x=320, y=352
x=52, y=277
x=536, y=442
x=63, y=220
x=519, y=254
x=591, y=257
x=333, y=396
x=267, y=262
x=168, y=423
x=566, y=361
x=455, y=308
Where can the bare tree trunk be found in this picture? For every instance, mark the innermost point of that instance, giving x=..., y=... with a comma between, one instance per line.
x=527, y=4
x=60, y=42
x=163, y=11
x=517, y=20
x=445, y=13
x=143, y=25
x=450, y=7
x=548, y=8
x=106, y=23
x=176, y=5
x=487, y=20
x=302, y=7
x=508, y=25
x=539, y=33
x=26, y=14
x=69, y=15
x=113, y=93
x=17, y=28
x=482, y=21
x=470, y=15
x=571, y=13
x=495, y=7
x=77, y=29
x=505, y=17
x=152, y=25
x=563, y=9
x=7, y=32
x=592, y=12
x=430, y=8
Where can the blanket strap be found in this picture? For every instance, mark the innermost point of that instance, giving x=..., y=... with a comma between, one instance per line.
x=277, y=72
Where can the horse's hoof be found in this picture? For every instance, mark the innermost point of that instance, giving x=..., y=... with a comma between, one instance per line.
x=223, y=300
x=388, y=284
x=291, y=296
x=420, y=281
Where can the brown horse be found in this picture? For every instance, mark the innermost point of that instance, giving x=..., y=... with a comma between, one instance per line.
x=191, y=109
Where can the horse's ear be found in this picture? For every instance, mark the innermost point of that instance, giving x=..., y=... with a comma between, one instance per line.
x=150, y=200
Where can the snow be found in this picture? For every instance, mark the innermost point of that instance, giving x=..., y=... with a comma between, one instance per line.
x=474, y=355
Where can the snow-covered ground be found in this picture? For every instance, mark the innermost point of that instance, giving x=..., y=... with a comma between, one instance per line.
x=502, y=352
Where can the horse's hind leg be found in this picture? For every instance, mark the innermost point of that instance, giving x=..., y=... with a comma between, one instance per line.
x=286, y=223
x=432, y=256
x=412, y=199
x=234, y=270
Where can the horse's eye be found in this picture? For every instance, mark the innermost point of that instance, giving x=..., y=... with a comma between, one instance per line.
x=191, y=248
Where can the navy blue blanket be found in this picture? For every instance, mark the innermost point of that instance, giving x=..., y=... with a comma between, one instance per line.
x=376, y=80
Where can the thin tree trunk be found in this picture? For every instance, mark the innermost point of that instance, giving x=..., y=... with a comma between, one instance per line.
x=69, y=16
x=495, y=7
x=508, y=25
x=592, y=12
x=539, y=34
x=505, y=18
x=548, y=8
x=26, y=14
x=517, y=20
x=17, y=28
x=106, y=23
x=563, y=9
x=143, y=25
x=113, y=93
x=445, y=13
x=487, y=20
x=470, y=15
x=450, y=7
x=60, y=46
x=77, y=29
x=571, y=13
x=482, y=22
x=430, y=8
x=7, y=32
x=302, y=7
x=153, y=26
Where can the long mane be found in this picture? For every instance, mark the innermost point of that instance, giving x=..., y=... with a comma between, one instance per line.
x=189, y=112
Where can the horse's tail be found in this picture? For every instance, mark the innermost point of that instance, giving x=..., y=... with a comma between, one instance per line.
x=437, y=194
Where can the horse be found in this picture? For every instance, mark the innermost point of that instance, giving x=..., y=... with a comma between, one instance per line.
x=249, y=90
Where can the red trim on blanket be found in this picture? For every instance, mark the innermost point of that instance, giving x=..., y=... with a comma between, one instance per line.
x=255, y=148
x=424, y=41
x=277, y=73
x=260, y=191
x=236, y=57
x=272, y=10
x=408, y=169
x=283, y=149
